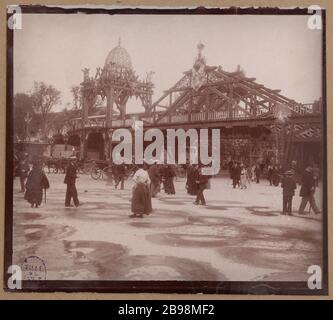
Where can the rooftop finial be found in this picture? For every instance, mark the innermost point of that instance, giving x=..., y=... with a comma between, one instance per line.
x=200, y=47
x=119, y=42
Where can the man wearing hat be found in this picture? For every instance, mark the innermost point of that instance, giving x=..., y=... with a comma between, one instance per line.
x=70, y=179
x=288, y=185
x=307, y=191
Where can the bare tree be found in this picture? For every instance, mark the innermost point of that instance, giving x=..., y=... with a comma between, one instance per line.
x=44, y=98
x=94, y=100
x=77, y=97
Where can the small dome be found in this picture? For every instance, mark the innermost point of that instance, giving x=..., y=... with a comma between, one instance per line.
x=119, y=58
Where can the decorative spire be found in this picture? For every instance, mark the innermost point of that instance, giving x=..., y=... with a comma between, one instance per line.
x=200, y=47
x=119, y=41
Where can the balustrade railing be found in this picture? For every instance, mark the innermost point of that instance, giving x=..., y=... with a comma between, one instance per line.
x=100, y=121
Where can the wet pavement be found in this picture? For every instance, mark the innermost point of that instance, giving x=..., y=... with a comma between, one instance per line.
x=239, y=236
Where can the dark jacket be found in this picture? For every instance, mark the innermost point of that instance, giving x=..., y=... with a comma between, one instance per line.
x=70, y=176
x=203, y=181
x=308, y=185
x=154, y=173
x=24, y=168
x=236, y=172
x=288, y=185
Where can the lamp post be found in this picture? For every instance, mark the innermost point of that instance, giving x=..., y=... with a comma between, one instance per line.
x=27, y=120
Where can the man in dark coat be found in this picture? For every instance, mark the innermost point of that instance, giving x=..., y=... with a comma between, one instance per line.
x=236, y=172
x=307, y=191
x=192, y=174
x=23, y=170
x=288, y=185
x=257, y=172
x=119, y=173
x=70, y=179
x=202, y=185
x=168, y=174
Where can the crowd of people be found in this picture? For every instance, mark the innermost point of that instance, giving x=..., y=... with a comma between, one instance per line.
x=151, y=180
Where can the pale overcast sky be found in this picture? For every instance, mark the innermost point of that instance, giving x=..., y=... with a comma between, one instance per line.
x=279, y=51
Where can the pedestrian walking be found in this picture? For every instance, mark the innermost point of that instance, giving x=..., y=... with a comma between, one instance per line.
x=192, y=175
x=36, y=182
x=70, y=181
x=168, y=174
x=119, y=174
x=288, y=185
x=202, y=183
x=307, y=191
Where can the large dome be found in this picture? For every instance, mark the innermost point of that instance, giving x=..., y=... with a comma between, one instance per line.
x=119, y=58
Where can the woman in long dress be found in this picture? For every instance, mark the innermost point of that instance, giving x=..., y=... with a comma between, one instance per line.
x=36, y=182
x=243, y=178
x=141, y=197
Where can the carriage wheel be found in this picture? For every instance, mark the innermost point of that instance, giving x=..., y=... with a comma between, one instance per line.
x=95, y=173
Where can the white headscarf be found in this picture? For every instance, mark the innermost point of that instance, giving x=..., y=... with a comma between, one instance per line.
x=141, y=176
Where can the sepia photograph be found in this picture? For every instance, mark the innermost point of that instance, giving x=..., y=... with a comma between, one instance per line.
x=166, y=151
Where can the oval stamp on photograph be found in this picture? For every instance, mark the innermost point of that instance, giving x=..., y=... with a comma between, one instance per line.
x=33, y=268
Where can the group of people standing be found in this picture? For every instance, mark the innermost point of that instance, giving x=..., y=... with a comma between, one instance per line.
x=241, y=175
x=307, y=191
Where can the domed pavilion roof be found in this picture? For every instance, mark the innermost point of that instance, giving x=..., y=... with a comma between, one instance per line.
x=119, y=58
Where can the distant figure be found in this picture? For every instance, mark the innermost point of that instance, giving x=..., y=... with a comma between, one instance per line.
x=288, y=185
x=36, y=182
x=23, y=170
x=236, y=172
x=141, y=198
x=243, y=178
x=257, y=173
x=307, y=191
x=120, y=172
x=192, y=175
x=253, y=173
x=168, y=174
x=270, y=174
x=154, y=176
x=316, y=174
x=70, y=180
x=202, y=185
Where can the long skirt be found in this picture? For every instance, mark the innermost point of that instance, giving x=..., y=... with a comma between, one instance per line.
x=141, y=199
x=169, y=187
x=34, y=196
x=243, y=181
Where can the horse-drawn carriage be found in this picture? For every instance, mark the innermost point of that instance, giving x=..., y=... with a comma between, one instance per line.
x=56, y=165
